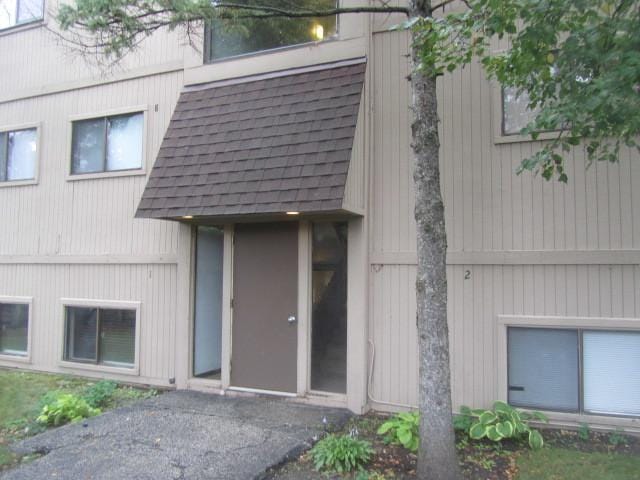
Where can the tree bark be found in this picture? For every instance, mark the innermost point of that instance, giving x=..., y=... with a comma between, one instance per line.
x=437, y=458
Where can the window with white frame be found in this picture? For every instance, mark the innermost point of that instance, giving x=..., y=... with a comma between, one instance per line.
x=18, y=154
x=574, y=370
x=18, y=12
x=14, y=329
x=102, y=336
x=107, y=144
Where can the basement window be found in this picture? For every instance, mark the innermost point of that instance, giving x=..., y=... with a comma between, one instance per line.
x=574, y=370
x=19, y=12
x=104, y=336
x=224, y=39
x=107, y=144
x=18, y=155
x=14, y=329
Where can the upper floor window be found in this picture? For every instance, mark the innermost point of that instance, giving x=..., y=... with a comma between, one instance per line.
x=249, y=35
x=107, y=144
x=17, y=12
x=516, y=113
x=18, y=153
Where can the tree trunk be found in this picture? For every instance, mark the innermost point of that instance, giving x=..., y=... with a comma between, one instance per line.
x=437, y=458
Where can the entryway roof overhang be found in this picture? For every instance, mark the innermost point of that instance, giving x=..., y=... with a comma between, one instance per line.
x=259, y=146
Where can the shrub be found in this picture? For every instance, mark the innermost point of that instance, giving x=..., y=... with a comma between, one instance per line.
x=100, y=394
x=617, y=438
x=341, y=454
x=402, y=429
x=584, y=432
x=504, y=421
x=65, y=408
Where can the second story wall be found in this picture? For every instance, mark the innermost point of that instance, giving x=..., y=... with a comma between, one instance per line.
x=34, y=60
x=63, y=214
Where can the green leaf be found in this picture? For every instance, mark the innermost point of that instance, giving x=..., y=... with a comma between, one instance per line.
x=502, y=407
x=505, y=429
x=477, y=431
x=536, y=441
x=493, y=434
x=385, y=427
x=487, y=418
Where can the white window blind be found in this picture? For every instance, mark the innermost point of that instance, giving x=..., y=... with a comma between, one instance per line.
x=611, y=372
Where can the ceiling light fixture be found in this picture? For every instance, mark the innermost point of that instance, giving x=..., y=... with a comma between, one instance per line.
x=293, y=213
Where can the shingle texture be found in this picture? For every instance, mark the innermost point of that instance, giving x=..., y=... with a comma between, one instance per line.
x=263, y=146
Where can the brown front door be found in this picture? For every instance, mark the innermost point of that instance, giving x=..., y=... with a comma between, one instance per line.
x=265, y=298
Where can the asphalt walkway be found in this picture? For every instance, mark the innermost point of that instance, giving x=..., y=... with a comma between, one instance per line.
x=178, y=435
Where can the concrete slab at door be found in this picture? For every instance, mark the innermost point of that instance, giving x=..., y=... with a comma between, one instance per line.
x=265, y=295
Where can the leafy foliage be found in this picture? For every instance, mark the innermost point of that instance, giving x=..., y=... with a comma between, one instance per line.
x=584, y=432
x=462, y=422
x=504, y=421
x=617, y=438
x=100, y=394
x=577, y=60
x=341, y=454
x=66, y=407
x=402, y=429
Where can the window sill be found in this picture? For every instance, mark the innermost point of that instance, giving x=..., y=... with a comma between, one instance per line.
x=601, y=422
x=517, y=138
x=115, y=174
x=15, y=358
x=135, y=371
x=268, y=51
x=18, y=183
x=21, y=27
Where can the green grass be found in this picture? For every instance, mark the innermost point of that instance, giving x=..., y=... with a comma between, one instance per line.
x=20, y=403
x=562, y=464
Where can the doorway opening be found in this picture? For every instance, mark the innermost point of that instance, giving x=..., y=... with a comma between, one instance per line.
x=207, y=331
x=329, y=307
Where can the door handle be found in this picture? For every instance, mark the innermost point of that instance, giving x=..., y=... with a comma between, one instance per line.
x=291, y=319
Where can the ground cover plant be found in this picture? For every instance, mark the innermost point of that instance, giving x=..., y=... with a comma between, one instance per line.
x=23, y=396
x=580, y=454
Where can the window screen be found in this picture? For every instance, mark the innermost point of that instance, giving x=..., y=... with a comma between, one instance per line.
x=117, y=336
x=543, y=368
x=611, y=372
x=14, y=324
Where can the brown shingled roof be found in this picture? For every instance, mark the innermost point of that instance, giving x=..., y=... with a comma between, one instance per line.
x=270, y=144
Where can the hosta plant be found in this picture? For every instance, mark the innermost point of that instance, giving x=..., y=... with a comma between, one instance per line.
x=341, y=453
x=503, y=421
x=402, y=429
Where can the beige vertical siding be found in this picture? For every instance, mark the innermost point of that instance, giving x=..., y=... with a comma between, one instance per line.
x=45, y=62
x=528, y=247
x=85, y=217
x=152, y=285
x=79, y=239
